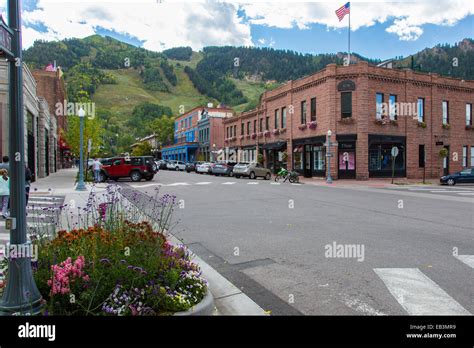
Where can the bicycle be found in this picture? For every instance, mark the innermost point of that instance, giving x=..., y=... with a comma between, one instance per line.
x=292, y=177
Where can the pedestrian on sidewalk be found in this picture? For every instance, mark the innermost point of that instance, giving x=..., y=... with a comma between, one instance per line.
x=5, y=163
x=96, y=166
x=27, y=182
x=4, y=192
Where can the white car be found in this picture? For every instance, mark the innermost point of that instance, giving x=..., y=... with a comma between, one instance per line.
x=203, y=168
x=176, y=165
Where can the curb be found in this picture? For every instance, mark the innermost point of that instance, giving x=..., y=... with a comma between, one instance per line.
x=205, y=307
x=227, y=298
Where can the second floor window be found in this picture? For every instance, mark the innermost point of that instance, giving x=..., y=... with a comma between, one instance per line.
x=260, y=126
x=346, y=104
x=283, y=117
x=277, y=118
x=393, y=107
x=421, y=109
x=303, y=112
x=313, y=109
x=255, y=126
x=378, y=106
x=242, y=129
x=267, y=123
x=445, y=112
x=248, y=128
x=468, y=114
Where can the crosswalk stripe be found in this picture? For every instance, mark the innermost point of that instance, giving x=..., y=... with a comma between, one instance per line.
x=467, y=259
x=178, y=184
x=229, y=183
x=417, y=293
x=275, y=183
x=252, y=183
x=203, y=183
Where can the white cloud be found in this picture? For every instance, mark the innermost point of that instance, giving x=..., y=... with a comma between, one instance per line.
x=199, y=23
x=408, y=16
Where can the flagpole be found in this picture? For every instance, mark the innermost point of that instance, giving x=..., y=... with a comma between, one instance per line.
x=349, y=34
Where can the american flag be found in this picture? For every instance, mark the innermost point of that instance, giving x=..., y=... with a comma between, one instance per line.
x=341, y=12
x=50, y=67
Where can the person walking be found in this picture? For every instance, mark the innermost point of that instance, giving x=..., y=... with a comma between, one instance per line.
x=4, y=192
x=96, y=166
x=27, y=182
x=5, y=163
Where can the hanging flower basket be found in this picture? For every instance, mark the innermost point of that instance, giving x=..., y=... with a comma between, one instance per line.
x=312, y=125
x=469, y=127
x=422, y=124
x=241, y=137
x=226, y=141
x=260, y=134
x=347, y=120
x=443, y=153
x=266, y=133
x=276, y=131
x=233, y=139
x=446, y=126
x=394, y=122
x=282, y=130
x=254, y=135
x=302, y=126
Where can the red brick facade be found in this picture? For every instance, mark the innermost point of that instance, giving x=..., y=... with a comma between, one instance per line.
x=364, y=142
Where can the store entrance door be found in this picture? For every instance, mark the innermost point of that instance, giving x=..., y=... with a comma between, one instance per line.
x=346, y=160
x=308, y=160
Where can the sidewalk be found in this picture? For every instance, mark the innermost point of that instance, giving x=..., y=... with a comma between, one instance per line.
x=373, y=182
x=60, y=187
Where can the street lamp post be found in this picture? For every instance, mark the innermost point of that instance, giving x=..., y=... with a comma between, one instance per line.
x=329, y=155
x=21, y=294
x=80, y=184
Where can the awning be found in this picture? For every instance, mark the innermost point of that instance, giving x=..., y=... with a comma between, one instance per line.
x=279, y=145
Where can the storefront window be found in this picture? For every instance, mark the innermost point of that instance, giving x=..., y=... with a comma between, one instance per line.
x=319, y=158
x=380, y=157
x=298, y=158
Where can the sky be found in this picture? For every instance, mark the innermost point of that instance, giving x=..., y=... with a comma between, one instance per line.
x=379, y=29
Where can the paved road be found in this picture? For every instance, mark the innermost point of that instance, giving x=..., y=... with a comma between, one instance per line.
x=396, y=251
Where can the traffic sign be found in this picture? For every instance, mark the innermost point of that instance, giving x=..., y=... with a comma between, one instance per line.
x=394, y=151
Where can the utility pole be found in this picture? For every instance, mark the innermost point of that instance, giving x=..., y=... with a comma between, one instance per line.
x=21, y=294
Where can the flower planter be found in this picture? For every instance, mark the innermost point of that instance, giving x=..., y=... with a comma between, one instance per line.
x=266, y=133
x=302, y=127
x=346, y=120
x=276, y=131
x=312, y=125
x=205, y=307
x=421, y=124
x=469, y=128
x=446, y=126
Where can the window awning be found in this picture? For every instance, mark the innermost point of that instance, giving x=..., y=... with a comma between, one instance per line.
x=275, y=146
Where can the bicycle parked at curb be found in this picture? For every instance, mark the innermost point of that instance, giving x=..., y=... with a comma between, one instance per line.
x=291, y=176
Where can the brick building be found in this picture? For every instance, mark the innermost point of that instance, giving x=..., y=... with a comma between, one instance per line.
x=41, y=129
x=51, y=86
x=195, y=134
x=369, y=110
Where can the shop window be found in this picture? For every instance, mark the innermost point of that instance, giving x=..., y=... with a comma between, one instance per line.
x=313, y=109
x=464, y=156
x=468, y=114
x=283, y=117
x=392, y=107
x=445, y=107
x=298, y=158
x=319, y=158
x=421, y=156
x=421, y=109
x=380, y=157
x=346, y=104
x=472, y=156
x=378, y=106
x=303, y=112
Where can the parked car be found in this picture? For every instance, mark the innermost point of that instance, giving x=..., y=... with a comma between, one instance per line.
x=136, y=168
x=223, y=168
x=176, y=165
x=203, y=168
x=465, y=176
x=162, y=164
x=191, y=166
x=252, y=170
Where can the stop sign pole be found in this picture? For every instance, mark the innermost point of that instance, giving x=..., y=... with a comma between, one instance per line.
x=21, y=296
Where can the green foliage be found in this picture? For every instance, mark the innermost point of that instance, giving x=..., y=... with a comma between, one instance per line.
x=143, y=114
x=179, y=53
x=153, y=80
x=92, y=130
x=169, y=72
x=163, y=127
x=142, y=149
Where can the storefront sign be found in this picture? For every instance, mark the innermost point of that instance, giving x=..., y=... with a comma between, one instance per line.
x=346, y=85
x=439, y=143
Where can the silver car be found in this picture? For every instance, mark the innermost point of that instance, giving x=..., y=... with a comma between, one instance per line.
x=252, y=170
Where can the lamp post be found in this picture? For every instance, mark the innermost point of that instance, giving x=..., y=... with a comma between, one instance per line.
x=80, y=184
x=21, y=294
x=329, y=155
x=213, y=152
